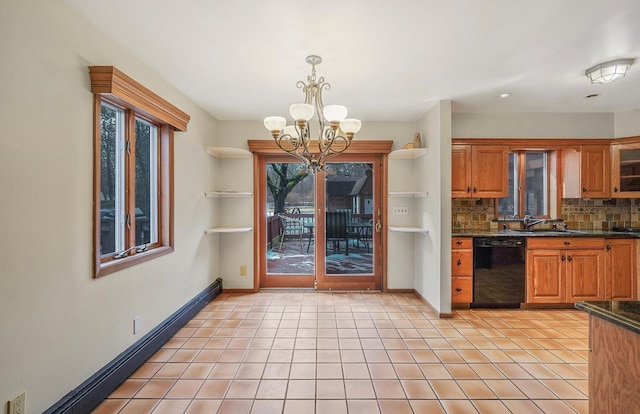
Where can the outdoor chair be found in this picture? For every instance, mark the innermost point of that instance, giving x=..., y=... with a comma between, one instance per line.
x=336, y=230
x=292, y=228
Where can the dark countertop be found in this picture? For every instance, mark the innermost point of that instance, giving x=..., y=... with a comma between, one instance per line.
x=623, y=314
x=545, y=233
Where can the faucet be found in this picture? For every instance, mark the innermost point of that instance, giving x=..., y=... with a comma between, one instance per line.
x=528, y=222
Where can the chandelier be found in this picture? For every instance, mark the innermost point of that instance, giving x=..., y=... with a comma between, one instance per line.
x=333, y=139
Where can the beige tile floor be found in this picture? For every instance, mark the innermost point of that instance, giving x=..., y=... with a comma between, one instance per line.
x=298, y=352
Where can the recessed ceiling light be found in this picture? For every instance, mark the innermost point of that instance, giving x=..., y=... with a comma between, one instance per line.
x=504, y=95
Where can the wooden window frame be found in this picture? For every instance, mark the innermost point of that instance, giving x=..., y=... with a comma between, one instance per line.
x=110, y=85
x=521, y=156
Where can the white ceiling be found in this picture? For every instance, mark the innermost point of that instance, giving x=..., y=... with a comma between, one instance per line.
x=386, y=60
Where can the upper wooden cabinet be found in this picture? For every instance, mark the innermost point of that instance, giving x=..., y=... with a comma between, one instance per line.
x=595, y=170
x=479, y=171
x=625, y=173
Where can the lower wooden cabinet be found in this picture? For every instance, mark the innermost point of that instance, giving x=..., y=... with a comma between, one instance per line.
x=461, y=270
x=565, y=270
x=620, y=274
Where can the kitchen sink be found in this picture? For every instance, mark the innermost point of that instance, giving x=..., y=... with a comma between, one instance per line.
x=555, y=232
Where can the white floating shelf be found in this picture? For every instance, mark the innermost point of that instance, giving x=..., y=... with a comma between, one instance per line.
x=408, y=229
x=228, y=152
x=415, y=194
x=407, y=154
x=228, y=230
x=227, y=194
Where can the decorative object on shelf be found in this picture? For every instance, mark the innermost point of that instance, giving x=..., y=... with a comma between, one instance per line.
x=408, y=146
x=417, y=140
x=609, y=71
x=296, y=139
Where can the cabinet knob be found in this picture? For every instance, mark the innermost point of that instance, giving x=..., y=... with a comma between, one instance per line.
x=468, y=189
x=584, y=189
x=608, y=247
x=459, y=262
x=567, y=243
x=458, y=289
x=458, y=242
x=475, y=190
x=569, y=258
x=615, y=189
x=563, y=258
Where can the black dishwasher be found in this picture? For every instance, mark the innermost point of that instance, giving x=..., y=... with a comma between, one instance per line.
x=498, y=272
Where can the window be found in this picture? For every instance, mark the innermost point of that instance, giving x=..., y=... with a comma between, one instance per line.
x=133, y=191
x=528, y=186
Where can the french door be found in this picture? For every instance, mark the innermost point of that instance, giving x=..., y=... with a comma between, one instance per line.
x=320, y=230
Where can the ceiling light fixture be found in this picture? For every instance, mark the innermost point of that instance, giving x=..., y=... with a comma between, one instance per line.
x=504, y=95
x=609, y=71
x=296, y=139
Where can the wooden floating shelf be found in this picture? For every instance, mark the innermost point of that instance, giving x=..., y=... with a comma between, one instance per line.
x=228, y=152
x=407, y=154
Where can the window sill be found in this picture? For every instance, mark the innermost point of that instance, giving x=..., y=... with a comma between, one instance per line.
x=113, y=266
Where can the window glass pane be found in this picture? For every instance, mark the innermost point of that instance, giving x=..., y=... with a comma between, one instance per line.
x=536, y=184
x=146, y=212
x=508, y=206
x=111, y=179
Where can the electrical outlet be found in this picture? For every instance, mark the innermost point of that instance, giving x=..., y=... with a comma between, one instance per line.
x=136, y=324
x=243, y=270
x=400, y=211
x=16, y=405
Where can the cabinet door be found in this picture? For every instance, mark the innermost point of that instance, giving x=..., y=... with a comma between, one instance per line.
x=620, y=269
x=489, y=171
x=595, y=171
x=625, y=172
x=545, y=276
x=460, y=171
x=585, y=275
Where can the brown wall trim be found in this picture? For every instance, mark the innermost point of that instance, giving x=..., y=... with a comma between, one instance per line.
x=269, y=147
x=108, y=80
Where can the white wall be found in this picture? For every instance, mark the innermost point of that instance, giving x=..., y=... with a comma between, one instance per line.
x=58, y=324
x=433, y=251
x=532, y=125
x=627, y=124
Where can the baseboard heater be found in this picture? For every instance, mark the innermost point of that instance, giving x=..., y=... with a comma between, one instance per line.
x=100, y=385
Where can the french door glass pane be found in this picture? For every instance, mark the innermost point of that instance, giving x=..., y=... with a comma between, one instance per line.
x=111, y=179
x=290, y=219
x=349, y=218
x=146, y=180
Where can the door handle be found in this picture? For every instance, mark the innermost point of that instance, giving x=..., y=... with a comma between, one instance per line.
x=378, y=226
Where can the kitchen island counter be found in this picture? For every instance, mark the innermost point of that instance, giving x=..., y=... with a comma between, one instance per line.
x=614, y=357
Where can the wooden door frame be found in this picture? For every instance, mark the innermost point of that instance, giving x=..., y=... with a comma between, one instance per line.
x=262, y=148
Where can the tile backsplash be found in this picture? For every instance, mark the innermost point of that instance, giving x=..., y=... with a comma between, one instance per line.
x=578, y=214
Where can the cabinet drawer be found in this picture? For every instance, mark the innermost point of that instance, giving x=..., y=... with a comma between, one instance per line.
x=461, y=262
x=461, y=289
x=461, y=243
x=565, y=243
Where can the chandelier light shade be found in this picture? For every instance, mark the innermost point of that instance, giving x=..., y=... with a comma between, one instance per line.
x=609, y=71
x=333, y=139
